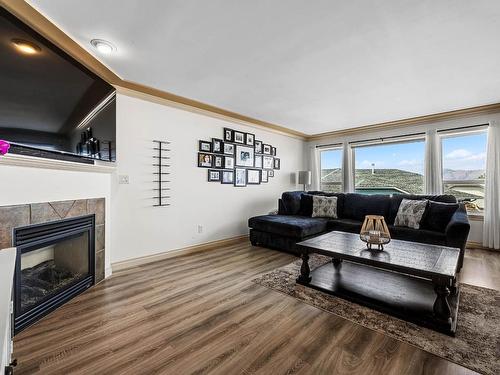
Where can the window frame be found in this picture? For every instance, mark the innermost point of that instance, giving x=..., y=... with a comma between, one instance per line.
x=332, y=148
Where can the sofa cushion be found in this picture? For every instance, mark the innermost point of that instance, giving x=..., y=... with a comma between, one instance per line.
x=357, y=206
x=410, y=213
x=420, y=235
x=345, y=225
x=438, y=215
x=324, y=206
x=288, y=225
x=291, y=202
x=397, y=198
x=306, y=205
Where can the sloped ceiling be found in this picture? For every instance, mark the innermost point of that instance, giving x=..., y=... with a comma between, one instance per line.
x=311, y=66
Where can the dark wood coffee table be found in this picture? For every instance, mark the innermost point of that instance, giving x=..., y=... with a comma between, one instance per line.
x=413, y=281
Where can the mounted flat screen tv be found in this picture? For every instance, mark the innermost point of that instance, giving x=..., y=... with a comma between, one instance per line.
x=51, y=105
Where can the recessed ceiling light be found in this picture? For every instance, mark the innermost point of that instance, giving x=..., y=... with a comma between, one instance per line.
x=27, y=47
x=103, y=46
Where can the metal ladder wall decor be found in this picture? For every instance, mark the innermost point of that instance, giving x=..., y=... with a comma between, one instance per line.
x=160, y=162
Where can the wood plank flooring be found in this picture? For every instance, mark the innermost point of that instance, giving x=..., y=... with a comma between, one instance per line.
x=201, y=314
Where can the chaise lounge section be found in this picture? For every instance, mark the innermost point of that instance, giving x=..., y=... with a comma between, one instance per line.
x=445, y=221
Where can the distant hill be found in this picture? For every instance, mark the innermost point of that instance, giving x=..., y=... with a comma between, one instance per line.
x=457, y=174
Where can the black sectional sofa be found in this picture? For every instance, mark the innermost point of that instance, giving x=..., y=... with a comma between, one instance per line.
x=446, y=225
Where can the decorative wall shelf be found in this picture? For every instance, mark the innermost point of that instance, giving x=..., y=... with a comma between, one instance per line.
x=161, y=163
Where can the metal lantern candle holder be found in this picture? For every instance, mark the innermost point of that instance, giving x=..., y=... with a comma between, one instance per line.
x=375, y=232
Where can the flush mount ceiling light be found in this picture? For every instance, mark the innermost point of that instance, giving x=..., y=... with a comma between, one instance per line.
x=25, y=46
x=103, y=46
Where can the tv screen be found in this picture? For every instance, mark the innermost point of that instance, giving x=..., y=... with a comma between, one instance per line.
x=50, y=104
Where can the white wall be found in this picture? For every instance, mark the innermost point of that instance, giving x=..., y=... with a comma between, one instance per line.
x=223, y=210
x=476, y=233
x=22, y=185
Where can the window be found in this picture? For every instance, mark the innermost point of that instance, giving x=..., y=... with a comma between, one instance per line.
x=390, y=168
x=331, y=170
x=464, y=168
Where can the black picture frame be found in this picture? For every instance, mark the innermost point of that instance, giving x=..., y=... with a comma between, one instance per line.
x=204, y=146
x=266, y=149
x=229, y=162
x=258, y=147
x=270, y=173
x=257, y=162
x=250, y=139
x=238, y=137
x=248, y=160
x=217, y=146
x=225, y=180
x=218, y=161
x=228, y=146
x=228, y=135
x=253, y=171
x=202, y=161
x=277, y=163
x=264, y=177
x=240, y=172
x=267, y=162
x=211, y=173
x=273, y=151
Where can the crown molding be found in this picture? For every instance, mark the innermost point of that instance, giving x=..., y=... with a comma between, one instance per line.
x=50, y=31
x=436, y=117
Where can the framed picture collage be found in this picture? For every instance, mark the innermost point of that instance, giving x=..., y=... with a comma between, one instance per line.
x=238, y=159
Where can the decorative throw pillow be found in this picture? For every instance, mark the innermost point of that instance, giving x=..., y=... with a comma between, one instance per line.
x=410, y=213
x=324, y=206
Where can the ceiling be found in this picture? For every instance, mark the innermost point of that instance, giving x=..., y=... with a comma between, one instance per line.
x=312, y=66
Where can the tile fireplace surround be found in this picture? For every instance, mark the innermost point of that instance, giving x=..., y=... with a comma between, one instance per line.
x=35, y=213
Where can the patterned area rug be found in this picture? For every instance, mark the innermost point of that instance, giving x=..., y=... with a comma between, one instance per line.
x=477, y=342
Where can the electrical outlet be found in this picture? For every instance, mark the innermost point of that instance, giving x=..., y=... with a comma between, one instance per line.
x=123, y=179
x=200, y=229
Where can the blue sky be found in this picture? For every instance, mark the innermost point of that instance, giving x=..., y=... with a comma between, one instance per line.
x=464, y=152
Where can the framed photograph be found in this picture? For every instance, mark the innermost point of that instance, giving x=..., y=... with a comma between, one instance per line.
x=217, y=146
x=258, y=147
x=258, y=161
x=266, y=149
x=249, y=139
x=228, y=162
x=273, y=151
x=205, y=146
x=228, y=135
x=267, y=162
x=264, y=177
x=228, y=149
x=239, y=137
x=270, y=173
x=205, y=160
x=227, y=177
x=244, y=156
x=240, y=177
x=214, y=175
x=277, y=163
x=218, y=161
x=253, y=176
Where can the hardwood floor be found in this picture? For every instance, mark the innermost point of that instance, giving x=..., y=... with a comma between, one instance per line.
x=201, y=314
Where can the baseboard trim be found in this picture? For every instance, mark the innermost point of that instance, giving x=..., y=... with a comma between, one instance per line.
x=129, y=263
x=478, y=245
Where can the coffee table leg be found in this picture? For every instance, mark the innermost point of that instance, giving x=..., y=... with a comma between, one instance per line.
x=441, y=307
x=304, y=277
x=336, y=262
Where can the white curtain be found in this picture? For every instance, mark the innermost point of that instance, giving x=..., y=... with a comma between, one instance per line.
x=433, y=167
x=347, y=168
x=314, y=167
x=491, y=225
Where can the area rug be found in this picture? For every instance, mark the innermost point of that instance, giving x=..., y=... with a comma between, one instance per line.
x=475, y=346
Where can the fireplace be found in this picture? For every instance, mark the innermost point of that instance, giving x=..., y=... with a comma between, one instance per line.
x=55, y=262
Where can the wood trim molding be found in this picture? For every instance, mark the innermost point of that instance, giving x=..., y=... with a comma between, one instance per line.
x=119, y=266
x=436, y=117
x=49, y=30
x=478, y=245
